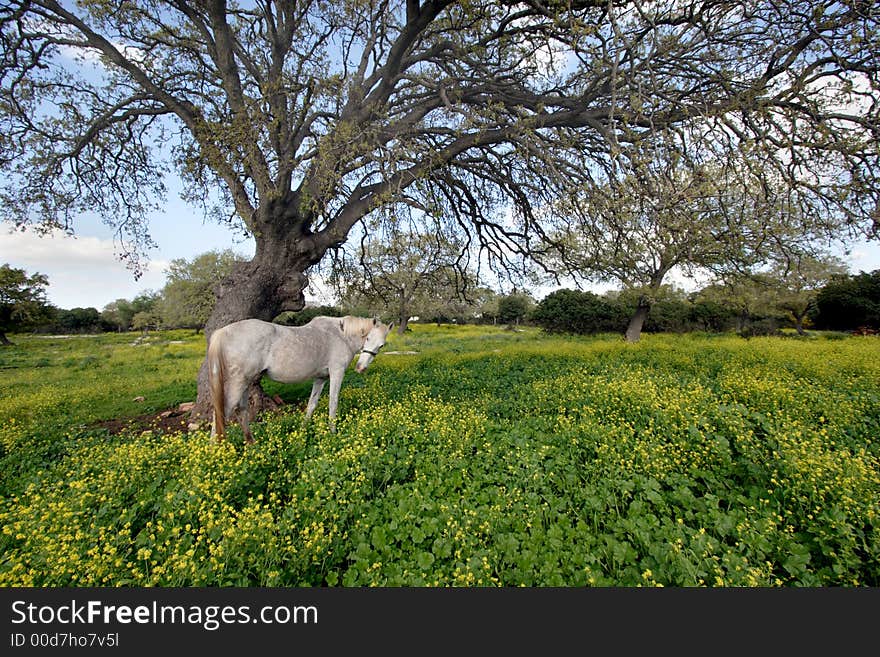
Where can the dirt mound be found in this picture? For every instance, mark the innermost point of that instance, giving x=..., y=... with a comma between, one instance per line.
x=173, y=419
x=167, y=421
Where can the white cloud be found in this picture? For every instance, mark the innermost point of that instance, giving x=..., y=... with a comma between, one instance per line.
x=865, y=256
x=83, y=271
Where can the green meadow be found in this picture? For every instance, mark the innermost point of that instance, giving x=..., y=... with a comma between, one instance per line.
x=488, y=457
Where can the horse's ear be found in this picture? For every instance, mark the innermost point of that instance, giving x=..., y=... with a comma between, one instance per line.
x=390, y=326
x=374, y=321
x=342, y=325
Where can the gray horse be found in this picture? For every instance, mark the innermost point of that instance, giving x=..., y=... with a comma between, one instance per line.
x=240, y=353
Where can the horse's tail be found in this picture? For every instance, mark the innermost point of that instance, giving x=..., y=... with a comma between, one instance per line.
x=215, y=377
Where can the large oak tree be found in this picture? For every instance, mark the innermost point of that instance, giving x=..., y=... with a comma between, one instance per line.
x=309, y=115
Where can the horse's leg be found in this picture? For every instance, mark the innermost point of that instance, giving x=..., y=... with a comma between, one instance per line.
x=317, y=387
x=237, y=406
x=336, y=377
x=244, y=414
x=245, y=423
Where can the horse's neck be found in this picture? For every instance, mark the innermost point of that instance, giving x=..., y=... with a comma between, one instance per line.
x=355, y=342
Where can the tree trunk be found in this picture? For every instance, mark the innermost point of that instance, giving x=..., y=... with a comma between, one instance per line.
x=799, y=323
x=637, y=321
x=402, y=311
x=4, y=341
x=271, y=283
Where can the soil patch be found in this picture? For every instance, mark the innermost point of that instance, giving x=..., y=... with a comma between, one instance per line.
x=175, y=419
x=167, y=421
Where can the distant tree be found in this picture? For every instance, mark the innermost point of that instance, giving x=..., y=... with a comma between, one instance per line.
x=189, y=294
x=711, y=315
x=488, y=305
x=514, y=307
x=145, y=301
x=146, y=320
x=118, y=314
x=409, y=273
x=461, y=308
x=750, y=299
x=796, y=283
x=80, y=320
x=848, y=302
x=22, y=300
x=673, y=214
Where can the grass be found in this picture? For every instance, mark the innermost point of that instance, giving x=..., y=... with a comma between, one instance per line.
x=488, y=457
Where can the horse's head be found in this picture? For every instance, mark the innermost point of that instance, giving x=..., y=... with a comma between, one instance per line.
x=374, y=341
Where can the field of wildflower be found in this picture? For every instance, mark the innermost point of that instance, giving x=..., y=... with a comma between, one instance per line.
x=465, y=456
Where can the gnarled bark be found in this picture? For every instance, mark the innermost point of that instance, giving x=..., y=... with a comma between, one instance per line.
x=271, y=283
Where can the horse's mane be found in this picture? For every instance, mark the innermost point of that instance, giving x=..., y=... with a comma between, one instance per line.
x=357, y=326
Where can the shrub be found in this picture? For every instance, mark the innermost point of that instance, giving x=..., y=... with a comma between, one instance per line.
x=572, y=311
x=848, y=302
x=306, y=315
